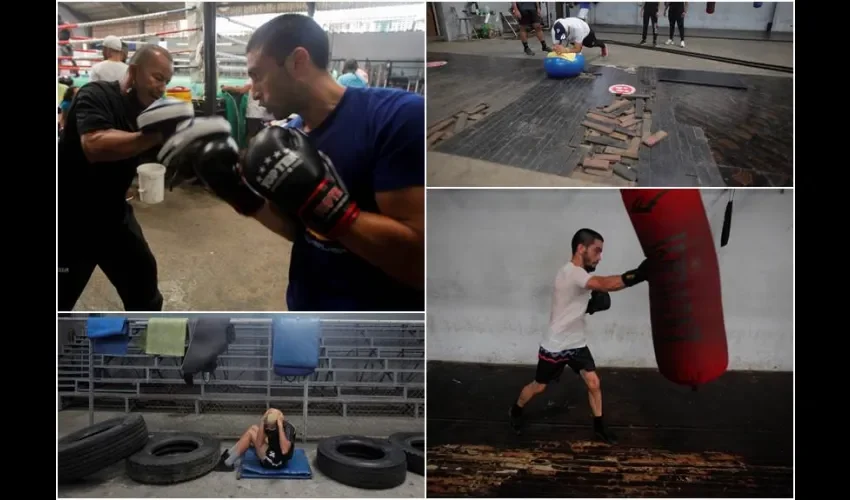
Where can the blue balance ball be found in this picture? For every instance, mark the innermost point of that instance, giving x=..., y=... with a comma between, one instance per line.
x=563, y=66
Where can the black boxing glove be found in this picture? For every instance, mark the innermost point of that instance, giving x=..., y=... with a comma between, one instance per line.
x=164, y=115
x=599, y=301
x=636, y=276
x=283, y=166
x=203, y=146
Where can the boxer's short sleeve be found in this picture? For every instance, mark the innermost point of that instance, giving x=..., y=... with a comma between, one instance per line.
x=400, y=144
x=92, y=110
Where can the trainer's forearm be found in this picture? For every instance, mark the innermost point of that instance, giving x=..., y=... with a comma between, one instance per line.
x=611, y=283
x=276, y=221
x=114, y=145
x=396, y=249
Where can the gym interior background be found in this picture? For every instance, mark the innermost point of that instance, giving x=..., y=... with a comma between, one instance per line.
x=211, y=274
x=369, y=382
x=489, y=300
x=723, y=95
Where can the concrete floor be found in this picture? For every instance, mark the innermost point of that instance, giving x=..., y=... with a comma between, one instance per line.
x=448, y=170
x=113, y=483
x=210, y=258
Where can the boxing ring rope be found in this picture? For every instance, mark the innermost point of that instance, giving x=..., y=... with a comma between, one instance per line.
x=118, y=20
x=264, y=326
x=155, y=34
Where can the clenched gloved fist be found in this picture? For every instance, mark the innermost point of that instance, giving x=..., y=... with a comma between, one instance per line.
x=636, y=276
x=285, y=168
x=599, y=301
x=203, y=146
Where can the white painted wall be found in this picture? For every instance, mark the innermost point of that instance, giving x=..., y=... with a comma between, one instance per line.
x=727, y=15
x=493, y=255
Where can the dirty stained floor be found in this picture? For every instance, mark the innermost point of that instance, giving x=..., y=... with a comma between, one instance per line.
x=718, y=136
x=731, y=438
x=209, y=258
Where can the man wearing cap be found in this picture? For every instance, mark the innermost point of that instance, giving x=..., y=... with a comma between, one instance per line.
x=112, y=68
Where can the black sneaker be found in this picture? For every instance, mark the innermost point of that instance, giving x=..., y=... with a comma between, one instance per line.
x=222, y=466
x=528, y=51
x=515, y=421
x=642, y=41
x=546, y=49
x=605, y=435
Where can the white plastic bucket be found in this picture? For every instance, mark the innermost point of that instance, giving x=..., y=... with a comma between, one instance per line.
x=151, y=183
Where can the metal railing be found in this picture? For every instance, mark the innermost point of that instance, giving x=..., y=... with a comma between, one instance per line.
x=366, y=368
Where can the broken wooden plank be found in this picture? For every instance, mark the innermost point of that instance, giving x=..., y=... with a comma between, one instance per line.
x=477, y=109
x=637, y=96
x=601, y=118
x=592, y=162
x=614, y=151
x=619, y=136
x=646, y=129
x=630, y=110
x=607, y=141
x=460, y=123
x=655, y=138
x=617, y=105
x=441, y=125
x=625, y=172
x=434, y=138
x=628, y=121
x=607, y=157
x=598, y=149
x=605, y=129
x=593, y=133
x=476, y=116
x=626, y=131
x=639, y=108
x=598, y=172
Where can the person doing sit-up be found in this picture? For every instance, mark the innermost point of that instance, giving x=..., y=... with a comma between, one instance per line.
x=273, y=447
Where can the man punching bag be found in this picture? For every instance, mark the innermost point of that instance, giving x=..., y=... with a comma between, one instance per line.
x=686, y=308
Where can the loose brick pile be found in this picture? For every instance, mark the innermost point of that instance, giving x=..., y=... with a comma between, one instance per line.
x=614, y=134
x=454, y=124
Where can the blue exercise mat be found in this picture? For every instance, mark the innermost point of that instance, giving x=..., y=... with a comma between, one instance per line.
x=295, y=346
x=298, y=467
x=108, y=335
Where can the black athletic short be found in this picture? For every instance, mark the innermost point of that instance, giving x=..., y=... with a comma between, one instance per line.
x=529, y=17
x=550, y=365
x=275, y=460
x=591, y=41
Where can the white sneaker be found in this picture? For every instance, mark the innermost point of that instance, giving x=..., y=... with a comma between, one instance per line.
x=682, y=44
x=669, y=42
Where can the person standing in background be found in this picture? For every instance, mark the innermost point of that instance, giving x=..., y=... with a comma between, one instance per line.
x=675, y=12
x=649, y=12
x=256, y=116
x=349, y=76
x=528, y=16
x=112, y=68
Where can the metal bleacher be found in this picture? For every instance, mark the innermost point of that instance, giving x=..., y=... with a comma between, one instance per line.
x=370, y=368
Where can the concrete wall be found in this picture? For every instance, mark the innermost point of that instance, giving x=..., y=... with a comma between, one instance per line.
x=493, y=255
x=727, y=15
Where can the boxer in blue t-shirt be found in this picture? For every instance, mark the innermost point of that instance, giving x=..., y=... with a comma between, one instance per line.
x=362, y=149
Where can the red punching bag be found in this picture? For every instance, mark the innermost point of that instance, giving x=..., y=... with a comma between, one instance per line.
x=709, y=7
x=686, y=308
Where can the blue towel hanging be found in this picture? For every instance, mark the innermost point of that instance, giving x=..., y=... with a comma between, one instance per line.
x=109, y=335
x=295, y=346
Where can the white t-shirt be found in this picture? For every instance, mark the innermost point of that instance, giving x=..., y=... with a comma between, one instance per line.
x=569, y=303
x=107, y=71
x=569, y=30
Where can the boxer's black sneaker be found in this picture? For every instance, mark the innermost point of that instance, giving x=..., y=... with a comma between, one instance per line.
x=528, y=51
x=515, y=416
x=222, y=466
x=602, y=433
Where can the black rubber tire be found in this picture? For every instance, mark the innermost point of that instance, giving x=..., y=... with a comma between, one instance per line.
x=413, y=445
x=172, y=458
x=96, y=447
x=362, y=462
